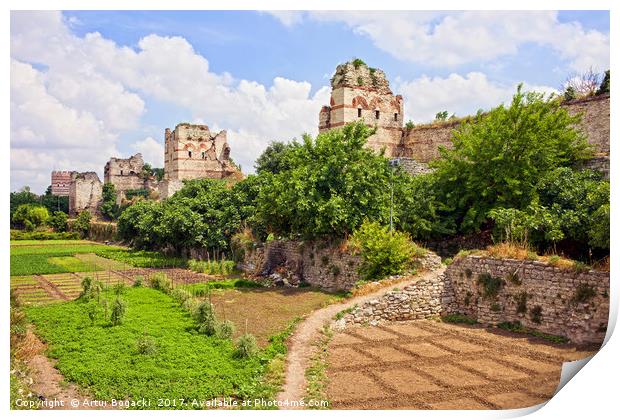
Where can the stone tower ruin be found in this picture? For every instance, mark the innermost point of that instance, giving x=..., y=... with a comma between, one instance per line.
x=125, y=174
x=193, y=152
x=363, y=93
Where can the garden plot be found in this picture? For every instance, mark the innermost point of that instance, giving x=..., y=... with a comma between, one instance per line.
x=432, y=365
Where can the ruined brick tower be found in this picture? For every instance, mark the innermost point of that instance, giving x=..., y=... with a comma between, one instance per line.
x=61, y=180
x=125, y=174
x=363, y=93
x=193, y=152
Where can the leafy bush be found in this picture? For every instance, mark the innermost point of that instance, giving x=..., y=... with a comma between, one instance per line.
x=58, y=221
x=181, y=295
x=19, y=235
x=30, y=216
x=160, y=281
x=441, y=116
x=87, y=285
x=146, y=345
x=109, y=208
x=118, y=312
x=583, y=293
x=383, y=252
x=499, y=157
x=333, y=182
x=203, y=312
x=358, y=62
x=536, y=314
x=138, y=281
x=223, y=267
x=246, y=346
x=459, y=319
x=491, y=285
x=82, y=223
x=225, y=329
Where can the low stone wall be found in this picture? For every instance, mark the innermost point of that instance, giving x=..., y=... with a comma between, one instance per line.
x=315, y=263
x=537, y=295
x=542, y=297
x=426, y=297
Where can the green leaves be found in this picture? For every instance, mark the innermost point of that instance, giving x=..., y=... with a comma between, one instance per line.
x=329, y=185
x=499, y=157
x=383, y=252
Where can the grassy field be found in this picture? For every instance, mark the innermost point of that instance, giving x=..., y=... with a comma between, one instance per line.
x=69, y=256
x=186, y=365
x=51, y=257
x=152, y=259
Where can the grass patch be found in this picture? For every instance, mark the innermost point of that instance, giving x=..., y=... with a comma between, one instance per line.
x=51, y=257
x=202, y=289
x=516, y=327
x=187, y=365
x=459, y=319
x=491, y=285
x=149, y=259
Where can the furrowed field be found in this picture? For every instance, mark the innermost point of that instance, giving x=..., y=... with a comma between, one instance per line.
x=158, y=350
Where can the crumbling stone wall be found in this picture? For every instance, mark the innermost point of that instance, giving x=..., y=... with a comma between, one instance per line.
x=363, y=93
x=564, y=302
x=125, y=174
x=85, y=193
x=594, y=121
x=315, y=263
x=422, y=142
x=426, y=297
x=193, y=152
x=61, y=181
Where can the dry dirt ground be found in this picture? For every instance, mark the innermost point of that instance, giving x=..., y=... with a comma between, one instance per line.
x=302, y=341
x=267, y=311
x=434, y=365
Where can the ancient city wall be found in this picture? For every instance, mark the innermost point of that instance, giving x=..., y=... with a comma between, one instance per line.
x=422, y=142
x=61, y=181
x=558, y=301
x=85, y=193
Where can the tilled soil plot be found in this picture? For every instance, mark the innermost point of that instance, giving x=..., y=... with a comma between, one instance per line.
x=434, y=365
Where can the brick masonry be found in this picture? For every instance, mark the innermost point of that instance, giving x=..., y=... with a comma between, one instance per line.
x=539, y=296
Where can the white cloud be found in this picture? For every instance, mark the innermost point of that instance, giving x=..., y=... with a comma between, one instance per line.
x=152, y=151
x=90, y=90
x=463, y=95
x=455, y=38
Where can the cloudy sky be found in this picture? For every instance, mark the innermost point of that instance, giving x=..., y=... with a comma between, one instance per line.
x=89, y=85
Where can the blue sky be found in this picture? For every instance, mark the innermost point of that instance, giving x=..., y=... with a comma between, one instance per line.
x=87, y=85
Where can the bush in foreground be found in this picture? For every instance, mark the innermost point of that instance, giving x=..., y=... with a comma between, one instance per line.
x=383, y=252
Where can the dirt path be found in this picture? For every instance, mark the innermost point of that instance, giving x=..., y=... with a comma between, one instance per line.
x=49, y=385
x=301, y=343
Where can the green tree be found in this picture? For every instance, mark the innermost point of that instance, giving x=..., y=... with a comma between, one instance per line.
x=441, y=116
x=58, y=221
x=273, y=159
x=499, y=157
x=30, y=216
x=333, y=183
x=54, y=202
x=604, y=88
x=109, y=208
x=82, y=223
x=138, y=224
x=23, y=196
